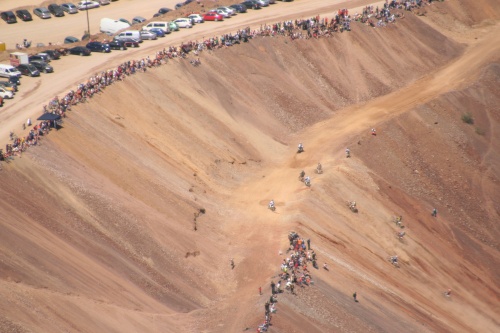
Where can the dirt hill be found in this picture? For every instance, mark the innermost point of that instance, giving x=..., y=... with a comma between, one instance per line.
x=125, y=220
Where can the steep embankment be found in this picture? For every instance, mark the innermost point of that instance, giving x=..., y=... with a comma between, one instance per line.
x=99, y=221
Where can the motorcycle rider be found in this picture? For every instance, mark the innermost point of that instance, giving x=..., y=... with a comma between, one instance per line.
x=271, y=205
x=347, y=152
x=307, y=181
x=300, y=148
x=319, y=168
x=302, y=175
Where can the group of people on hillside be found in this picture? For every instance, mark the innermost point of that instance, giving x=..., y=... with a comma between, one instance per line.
x=293, y=272
x=310, y=28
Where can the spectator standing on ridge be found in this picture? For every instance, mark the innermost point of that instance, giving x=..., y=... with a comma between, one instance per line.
x=354, y=296
x=434, y=212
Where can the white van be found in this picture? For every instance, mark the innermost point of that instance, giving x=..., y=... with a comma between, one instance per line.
x=111, y=27
x=135, y=34
x=9, y=71
x=162, y=25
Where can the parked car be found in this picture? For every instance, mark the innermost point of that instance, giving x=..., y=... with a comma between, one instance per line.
x=42, y=57
x=239, y=8
x=15, y=79
x=104, y=2
x=164, y=10
x=228, y=10
x=221, y=12
x=42, y=66
x=117, y=45
x=56, y=10
x=179, y=5
x=42, y=13
x=8, y=17
x=4, y=93
x=80, y=50
x=159, y=32
x=84, y=5
x=124, y=21
x=24, y=15
x=251, y=4
x=130, y=42
x=134, y=34
x=145, y=34
x=69, y=8
x=212, y=16
x=53, y=54
x=183, y=22
x=71, y=40
x=98, y=47
x=138, y=19
x=263, y=3
x=9, y=85
x=197, y=18
x=9, y=72
x=172, y=26
x=28, y=69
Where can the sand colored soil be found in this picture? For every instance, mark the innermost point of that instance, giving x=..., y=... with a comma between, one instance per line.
x=98, y=222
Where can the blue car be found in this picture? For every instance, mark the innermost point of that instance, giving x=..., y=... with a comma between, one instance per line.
x=159, y=32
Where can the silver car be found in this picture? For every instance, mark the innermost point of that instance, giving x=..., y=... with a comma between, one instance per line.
x=69, y=8
x=263, y=3
x=42, y=13
x=145, y=34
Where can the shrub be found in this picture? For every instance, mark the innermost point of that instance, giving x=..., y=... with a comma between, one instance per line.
x=467, y=118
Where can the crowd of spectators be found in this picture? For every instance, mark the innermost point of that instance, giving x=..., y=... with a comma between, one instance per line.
x=314, y=27
x=294, y=272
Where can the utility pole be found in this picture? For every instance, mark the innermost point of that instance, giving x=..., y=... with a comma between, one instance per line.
x=88, y=24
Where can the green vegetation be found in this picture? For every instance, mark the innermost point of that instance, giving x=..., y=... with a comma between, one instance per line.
x=467, y=118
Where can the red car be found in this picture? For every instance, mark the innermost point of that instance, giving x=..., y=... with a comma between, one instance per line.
x=213, y=16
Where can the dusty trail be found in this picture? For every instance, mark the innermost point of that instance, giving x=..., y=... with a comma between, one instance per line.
x=358, y=118
x=325, y=142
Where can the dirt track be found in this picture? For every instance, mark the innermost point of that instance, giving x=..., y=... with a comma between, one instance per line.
x=98, y=220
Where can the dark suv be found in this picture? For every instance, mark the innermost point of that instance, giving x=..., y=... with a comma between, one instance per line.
x=42, y=66
x=24, y=15
x=56, y=10
x=53, y=54
x=28, y=69
x=8, y=17
x=98, y=47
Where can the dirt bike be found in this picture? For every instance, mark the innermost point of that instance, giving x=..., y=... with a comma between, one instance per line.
x=307, y=182
x=352, y=206
x=394, y=261
x=271, y=207
x=319, y=171
x=398, y=221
